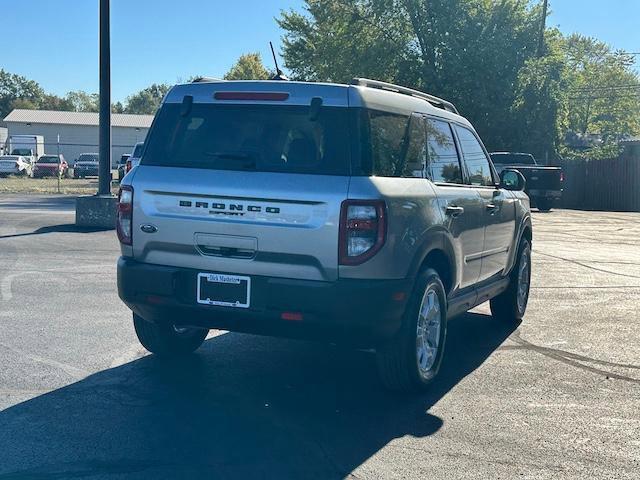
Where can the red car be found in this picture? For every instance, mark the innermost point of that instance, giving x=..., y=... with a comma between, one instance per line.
x=50, y=166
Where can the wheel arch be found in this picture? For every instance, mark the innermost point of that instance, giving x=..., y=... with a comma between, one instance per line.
x=525, y=230
x=437, y=252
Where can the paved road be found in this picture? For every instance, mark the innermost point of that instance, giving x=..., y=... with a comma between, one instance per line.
x=558, y=397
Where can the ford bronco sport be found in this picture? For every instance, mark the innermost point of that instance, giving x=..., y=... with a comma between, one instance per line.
x=366, y=213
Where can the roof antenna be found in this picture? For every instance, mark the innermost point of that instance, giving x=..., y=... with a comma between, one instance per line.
x=279, y=75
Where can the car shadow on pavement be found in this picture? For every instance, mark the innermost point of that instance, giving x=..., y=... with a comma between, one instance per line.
x=38, y=202
x=242, y=407
x=66, y=228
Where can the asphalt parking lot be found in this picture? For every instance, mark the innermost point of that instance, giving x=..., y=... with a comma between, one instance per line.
x=556, y=397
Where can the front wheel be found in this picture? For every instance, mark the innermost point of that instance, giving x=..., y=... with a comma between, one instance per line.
x=168, y=340
x=411, y=360
x=512, y=303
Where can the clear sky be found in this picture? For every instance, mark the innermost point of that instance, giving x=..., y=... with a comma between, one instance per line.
x=56, y=42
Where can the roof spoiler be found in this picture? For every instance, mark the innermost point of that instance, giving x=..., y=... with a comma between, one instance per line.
x=206, y=79
x=432, y=99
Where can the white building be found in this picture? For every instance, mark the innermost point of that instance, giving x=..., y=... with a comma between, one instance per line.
x=77, y=132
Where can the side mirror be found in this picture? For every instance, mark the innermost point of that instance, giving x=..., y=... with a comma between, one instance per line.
x=512, y=180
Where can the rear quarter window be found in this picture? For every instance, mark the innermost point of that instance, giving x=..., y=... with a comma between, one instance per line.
x=397, y=144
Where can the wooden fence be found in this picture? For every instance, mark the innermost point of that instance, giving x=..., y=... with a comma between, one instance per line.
x=611, y=185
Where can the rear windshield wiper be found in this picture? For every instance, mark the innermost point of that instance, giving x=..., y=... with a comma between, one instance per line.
x=230, y=155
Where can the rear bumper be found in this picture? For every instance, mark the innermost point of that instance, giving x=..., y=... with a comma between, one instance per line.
x=360, y=312
x=545, y=193
x=86, y=172
x=46, y=173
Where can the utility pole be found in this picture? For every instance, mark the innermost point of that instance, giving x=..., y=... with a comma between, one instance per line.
x=543, y=26
x=100, y=210
x=104, y=170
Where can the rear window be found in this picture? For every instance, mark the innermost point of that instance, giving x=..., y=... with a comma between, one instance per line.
x=88, y=158
x=48, y=160
x=266, y=138
x=22, y=151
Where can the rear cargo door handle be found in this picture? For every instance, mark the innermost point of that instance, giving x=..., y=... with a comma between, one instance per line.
x=454, y=210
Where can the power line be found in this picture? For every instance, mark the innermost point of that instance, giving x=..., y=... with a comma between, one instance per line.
x=605, y=87
x=607, y=97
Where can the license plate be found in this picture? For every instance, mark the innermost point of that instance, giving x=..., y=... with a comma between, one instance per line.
x=224, y=290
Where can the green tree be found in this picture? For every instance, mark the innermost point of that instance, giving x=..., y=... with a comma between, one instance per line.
x=468, y=51
x=18, y=90
x=603, y=98
x=117, y=107
x=248, y=67
x=83, y=102
x=147, y=100
x=539, y=112
x=54, y=102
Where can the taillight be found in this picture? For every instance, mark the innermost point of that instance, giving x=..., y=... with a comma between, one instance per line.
x=363, y=227
x=124, y=220
x=128, y=166
x=562, y=176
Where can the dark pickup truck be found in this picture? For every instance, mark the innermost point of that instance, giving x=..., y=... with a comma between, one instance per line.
x=544, y=184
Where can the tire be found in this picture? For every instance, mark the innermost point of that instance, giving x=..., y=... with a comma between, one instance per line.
x=405, y=363
x=544, y=204
x=511, y=305
x=167, y=340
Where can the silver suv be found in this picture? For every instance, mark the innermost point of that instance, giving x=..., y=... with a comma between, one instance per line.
x=365, y=213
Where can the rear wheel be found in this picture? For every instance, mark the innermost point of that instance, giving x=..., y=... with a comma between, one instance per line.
x=168, y=340
x=412, y=359
x=512, y=303
x=544, y=204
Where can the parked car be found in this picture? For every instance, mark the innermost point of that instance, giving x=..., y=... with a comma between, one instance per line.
x=367, y=214
x=544, y=184
x=136, y=154
x=86, y=166
x=50, y=166
x=15, y=165
x=122, y=166
x=31, y=147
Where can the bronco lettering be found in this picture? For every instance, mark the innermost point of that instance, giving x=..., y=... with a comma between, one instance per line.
x=231, y=209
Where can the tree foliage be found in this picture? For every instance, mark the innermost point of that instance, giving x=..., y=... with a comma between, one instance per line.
x=147, y=100
x=480, y=54
x=248, y=67
x=19, y=92
x=83, y=102
x=603, y=98
x=468, y=51
x=15, y=88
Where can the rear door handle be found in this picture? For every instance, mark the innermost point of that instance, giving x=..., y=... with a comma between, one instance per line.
x=492, y=207
x=454, y=211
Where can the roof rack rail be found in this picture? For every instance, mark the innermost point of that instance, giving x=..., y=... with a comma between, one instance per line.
x=432, y=99
x=206, y=79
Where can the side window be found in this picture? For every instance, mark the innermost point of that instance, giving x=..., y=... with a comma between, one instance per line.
x=397, y=144
x=444, y=165
x=474, y=157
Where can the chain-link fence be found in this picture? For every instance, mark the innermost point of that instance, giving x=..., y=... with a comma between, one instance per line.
x=78, y=175
x=69, y=150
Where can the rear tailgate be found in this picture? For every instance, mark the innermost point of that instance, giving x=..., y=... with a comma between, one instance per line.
x=542, y=178
x=260, y=223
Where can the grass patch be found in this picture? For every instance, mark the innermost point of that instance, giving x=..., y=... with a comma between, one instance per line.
x=68, y=186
